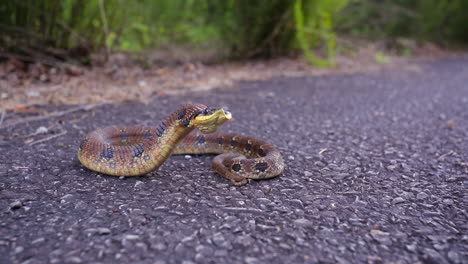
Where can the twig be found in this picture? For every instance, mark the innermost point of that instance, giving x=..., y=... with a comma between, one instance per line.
x=28, y=135
x=48, y=138
x=53, y=114
x=2, y=117
x=31, y=59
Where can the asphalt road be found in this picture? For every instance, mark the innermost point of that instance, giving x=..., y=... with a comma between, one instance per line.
x=377, y=172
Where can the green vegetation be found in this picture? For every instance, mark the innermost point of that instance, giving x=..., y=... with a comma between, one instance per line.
x=51, y=30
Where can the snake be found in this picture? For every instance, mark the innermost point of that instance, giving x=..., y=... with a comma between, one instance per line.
x=191, y=129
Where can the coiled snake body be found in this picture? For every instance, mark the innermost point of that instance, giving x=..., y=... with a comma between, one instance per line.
x=138, y=150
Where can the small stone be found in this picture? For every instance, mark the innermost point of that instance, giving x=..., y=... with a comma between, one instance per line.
x=67, y=196
x=450, y=124
x=74, y=259
x=434, y=256
x=132, y=237
x=302, y=222
x=218, y=239
x=103, y=231
x=319, y=164
x=411, y=248
x=290, y=157
x=187, y=157
x=296, y=203
x=41, y=130
x=38, y=241
x=440, y=246
x=220, y=253
x=251, y=260
x=18, y=250
x=447, y=201
x=138, y=184
x=204, y=250
x=454, y=256
x=308, y=173
x=74, y=70
x=159, y=246
x=284, y=246
x=398, y=200
x=421, y=196
x=245, y=240
x=142, y=83
x=380, y=235
x=16, y=205
x=33, y=93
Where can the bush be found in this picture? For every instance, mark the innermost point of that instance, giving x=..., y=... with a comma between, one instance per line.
x=63, y=29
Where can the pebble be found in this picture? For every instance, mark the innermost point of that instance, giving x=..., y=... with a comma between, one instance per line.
x=434, y=256
x=204, y=250
x=103, y=231
x=302, y=222
x=38, y=240
x=398, y=200
x=319, y=164
x=296, y=203
x=187, y=157
x=132, y=237
x=41, y=130
x=251, y=260
x=454, y=256
x=411, y=248
x=380, y=235
x=218, y=239
x=18, y=250
x=16, y=205
x=421, y=196
x=308, y=173
x=74, y=259
x=290, y=157
x=138, y=184
x=447, y=201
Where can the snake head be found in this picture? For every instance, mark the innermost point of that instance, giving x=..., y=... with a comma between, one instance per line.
x=210, y=119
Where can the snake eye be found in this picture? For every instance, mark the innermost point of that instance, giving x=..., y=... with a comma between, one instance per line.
x=207, y=111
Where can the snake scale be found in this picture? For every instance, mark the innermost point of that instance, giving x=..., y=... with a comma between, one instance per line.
x=138, y=150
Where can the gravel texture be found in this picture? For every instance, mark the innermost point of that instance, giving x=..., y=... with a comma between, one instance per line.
x=377, y=173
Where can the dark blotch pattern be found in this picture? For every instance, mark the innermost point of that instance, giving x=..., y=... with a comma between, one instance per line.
x=182, y=113
x=83, y=143
x=160, y=130
x=147, y=135
x=138, y=150
x=186, y=122
x=248, y=146
x=220, y=141
x=261, y=152
x=201, y=139
x=107, y=152
x=233, y=143
x=261, y=166
x=236, y=167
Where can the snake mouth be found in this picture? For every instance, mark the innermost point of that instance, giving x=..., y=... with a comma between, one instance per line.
x=210, y=119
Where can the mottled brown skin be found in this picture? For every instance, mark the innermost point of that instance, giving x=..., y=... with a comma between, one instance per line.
x=134, y=151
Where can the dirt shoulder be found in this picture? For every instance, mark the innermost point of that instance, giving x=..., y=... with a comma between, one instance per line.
x=121, y=80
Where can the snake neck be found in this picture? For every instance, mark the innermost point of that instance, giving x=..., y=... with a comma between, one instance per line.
x=171, y=132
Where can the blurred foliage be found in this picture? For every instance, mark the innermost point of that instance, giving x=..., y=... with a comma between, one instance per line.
x=51, y=30
x=442, y=21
